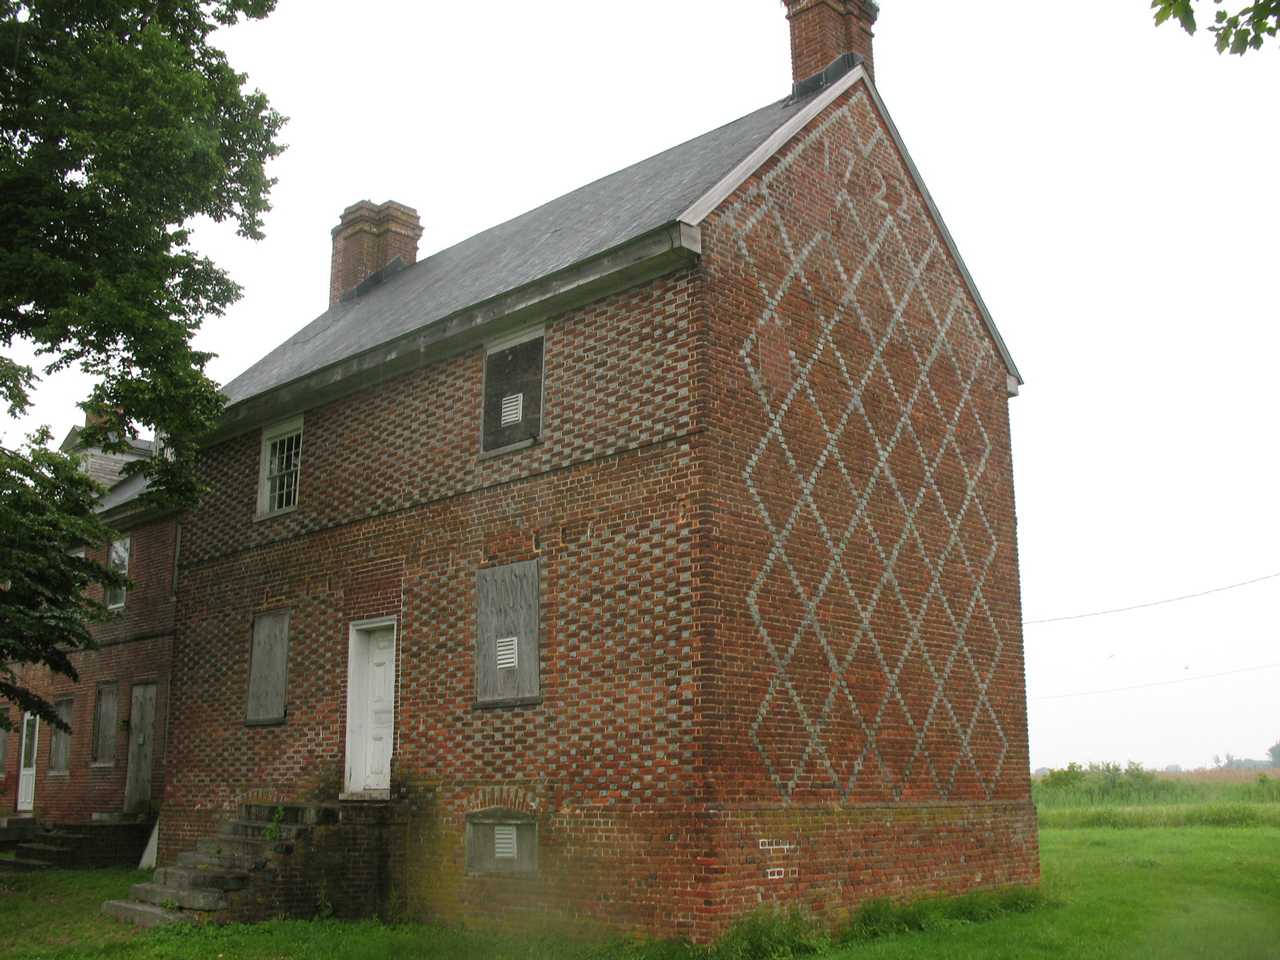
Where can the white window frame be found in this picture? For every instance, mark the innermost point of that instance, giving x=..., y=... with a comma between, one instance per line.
x=270, y=435
x=115, y=597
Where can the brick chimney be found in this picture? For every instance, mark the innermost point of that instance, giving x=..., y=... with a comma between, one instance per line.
x=368, y=237
x=823, y=30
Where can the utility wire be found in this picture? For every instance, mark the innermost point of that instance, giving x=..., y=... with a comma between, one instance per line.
x=1161, y=683
x=1156, y=603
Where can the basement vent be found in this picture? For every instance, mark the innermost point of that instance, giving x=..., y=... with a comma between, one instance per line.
x=504, y=841
x=512, y=409
x=508, y=658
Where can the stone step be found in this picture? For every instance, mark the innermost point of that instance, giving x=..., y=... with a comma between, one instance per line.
x=55, y=855
x=184, y=897
x=258, y=829
x=311, y=814
x=244, y=846
x=220, y=861
x=22, y=865
x=145, y=914
x=197, y=879
x=61, y=838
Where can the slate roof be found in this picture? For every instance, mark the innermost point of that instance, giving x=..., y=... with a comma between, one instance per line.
x=575, y=227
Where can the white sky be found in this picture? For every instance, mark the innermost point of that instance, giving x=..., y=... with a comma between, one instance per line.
x=1110, y=186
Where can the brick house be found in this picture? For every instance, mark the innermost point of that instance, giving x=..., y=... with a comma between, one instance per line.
x=112, y=762
x=652, y=554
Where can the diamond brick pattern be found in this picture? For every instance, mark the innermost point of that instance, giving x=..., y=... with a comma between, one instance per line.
x=884, y=379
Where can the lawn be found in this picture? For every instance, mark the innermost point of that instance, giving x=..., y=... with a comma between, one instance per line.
x=1145, y=893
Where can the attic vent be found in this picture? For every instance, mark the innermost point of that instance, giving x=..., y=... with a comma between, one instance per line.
x=512, y=409
x=507, y=657
x=504, y=841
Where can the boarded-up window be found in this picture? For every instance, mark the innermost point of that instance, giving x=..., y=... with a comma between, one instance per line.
x=502, y=841
x=104, y=724
x=268, y=668
x=60, y=740
x=513, y=394
x=117, y=560
x=4, y=740
x=508, y=633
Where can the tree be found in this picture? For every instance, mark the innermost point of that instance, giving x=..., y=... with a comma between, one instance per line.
x=120, y=122
x=1275, y=754
x=46, y=610
x=1238, y=33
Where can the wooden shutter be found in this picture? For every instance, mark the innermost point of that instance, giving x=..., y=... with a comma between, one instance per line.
x=508, y=631
x=268, y=667
x=513, y=394
x=104, y=725
x=60, y=740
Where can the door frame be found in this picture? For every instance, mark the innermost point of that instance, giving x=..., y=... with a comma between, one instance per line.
x=357, y=738
x=27, y=774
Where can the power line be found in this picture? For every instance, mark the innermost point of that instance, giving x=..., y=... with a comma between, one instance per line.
x=1156, y=603
x=1161, y=683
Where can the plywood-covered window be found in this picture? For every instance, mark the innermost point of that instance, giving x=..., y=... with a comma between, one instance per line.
x=104, y=724
x=513, y=392
x=500, y=840
x=60, y=740
x=508, y=635
x=268, y=668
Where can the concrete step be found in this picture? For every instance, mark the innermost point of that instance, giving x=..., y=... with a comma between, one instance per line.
x=296, y=813
x=22, y=865
x=244, y=846
x=220, y=861
x=256, y=828
x=184, y=897
x=55, y=855
x=145, y=914
x=60, y=838
x=197, y=879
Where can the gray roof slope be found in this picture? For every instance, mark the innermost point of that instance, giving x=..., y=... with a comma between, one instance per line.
x=573, y=228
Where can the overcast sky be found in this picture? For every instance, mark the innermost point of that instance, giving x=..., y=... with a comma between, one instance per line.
x=1110, y=186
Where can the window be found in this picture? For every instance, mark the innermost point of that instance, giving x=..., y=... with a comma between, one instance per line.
x=117, y=560
x=60, y=740
x=513, y=391
x=280, y=467
x=507, y=635
x=4, y=740
x=500, y=840
x=104, y=725
x=268, y=668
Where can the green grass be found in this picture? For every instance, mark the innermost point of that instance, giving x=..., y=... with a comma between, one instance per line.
x=62, y=908
x=1146, y=893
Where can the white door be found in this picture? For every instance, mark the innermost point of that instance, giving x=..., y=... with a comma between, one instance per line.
x=371, y=695
x=27, y=764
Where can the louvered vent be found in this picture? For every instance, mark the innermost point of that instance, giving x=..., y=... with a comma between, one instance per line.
x=508, y=659
x=504, y=841
x=512, y=409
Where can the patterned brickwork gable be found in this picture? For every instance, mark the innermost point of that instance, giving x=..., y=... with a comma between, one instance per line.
x=878, y=553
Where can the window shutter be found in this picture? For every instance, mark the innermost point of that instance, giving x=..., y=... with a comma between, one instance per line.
x=508, y=632
x=513, y=394
x=268, y=667
x=60, y=740
x=104, y=725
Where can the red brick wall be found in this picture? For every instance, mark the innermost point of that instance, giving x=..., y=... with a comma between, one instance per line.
x=132, y=650
x=867, y=606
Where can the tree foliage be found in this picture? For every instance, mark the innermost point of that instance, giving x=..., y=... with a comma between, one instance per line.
x=1237, y=33
x=45, y=605
x=1274, y=751
x=119, y=123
